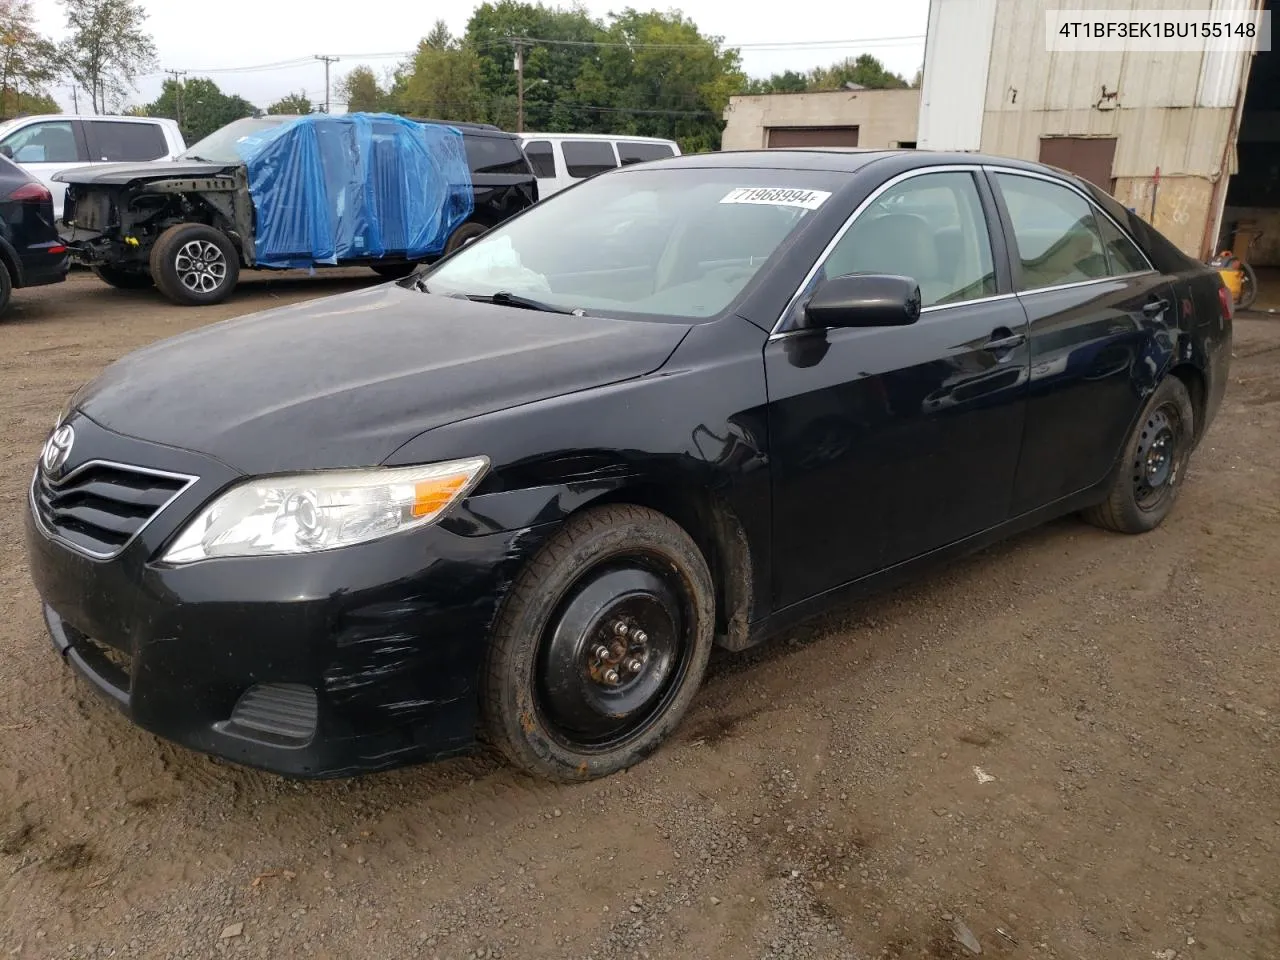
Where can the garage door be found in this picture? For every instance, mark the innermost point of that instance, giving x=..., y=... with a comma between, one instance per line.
x=813, y=136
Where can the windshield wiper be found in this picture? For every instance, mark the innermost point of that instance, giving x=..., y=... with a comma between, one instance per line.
x=506, y=298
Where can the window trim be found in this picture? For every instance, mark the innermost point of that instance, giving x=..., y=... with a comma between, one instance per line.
x=999, y=244
x=1011, y=238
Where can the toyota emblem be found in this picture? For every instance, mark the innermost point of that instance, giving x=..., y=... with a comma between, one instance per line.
x=57, y=449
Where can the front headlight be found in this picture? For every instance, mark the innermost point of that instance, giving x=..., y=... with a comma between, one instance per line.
x=322, y=511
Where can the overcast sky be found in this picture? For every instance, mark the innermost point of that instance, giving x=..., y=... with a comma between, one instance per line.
x=204, y=38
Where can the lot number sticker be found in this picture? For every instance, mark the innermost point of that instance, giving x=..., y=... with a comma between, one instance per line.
x=778, y=197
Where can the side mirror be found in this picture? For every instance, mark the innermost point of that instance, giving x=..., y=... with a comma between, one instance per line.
x=864, y=300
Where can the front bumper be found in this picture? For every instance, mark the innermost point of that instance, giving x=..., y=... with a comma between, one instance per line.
x=324, y=665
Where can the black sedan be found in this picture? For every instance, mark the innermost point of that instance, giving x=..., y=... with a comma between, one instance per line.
x=519, y=496
x=31, y=254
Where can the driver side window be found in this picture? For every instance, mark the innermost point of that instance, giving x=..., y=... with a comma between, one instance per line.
x=51, y=142
x=930, y=228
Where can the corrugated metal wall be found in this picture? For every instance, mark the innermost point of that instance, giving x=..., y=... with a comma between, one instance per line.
x=953, y=89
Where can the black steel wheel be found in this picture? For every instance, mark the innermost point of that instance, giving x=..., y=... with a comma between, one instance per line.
x=1143, y=490
x=600, y=645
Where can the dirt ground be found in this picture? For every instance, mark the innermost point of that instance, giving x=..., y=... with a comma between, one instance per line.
x=1068, y=744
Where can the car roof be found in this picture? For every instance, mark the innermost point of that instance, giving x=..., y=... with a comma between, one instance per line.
x=533, y=135
x=842, y=159
x=27, y=118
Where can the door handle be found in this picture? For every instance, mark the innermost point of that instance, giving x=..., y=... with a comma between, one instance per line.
x=1001, y=344
x=1154, y=307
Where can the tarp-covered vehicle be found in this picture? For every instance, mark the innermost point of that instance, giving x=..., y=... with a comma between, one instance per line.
x=272, y=192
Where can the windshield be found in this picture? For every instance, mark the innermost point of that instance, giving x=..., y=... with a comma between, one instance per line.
x=220, y=146
x=677, y=242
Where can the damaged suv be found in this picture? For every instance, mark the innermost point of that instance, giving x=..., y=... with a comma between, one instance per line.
x=281, y=192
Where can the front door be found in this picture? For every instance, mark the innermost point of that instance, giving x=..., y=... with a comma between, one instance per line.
x=887, y=443
x=45, y=148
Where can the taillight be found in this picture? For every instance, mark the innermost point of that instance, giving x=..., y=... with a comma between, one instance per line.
x=1228, y=305
x=31, y=191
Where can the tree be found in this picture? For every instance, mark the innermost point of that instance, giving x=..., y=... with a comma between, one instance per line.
x=293, y=103
x=866, y=70
x=442, y=81
x=107, y=47
x=199, y=106
x=27, y=62
x=361, y=91
x=789, y=81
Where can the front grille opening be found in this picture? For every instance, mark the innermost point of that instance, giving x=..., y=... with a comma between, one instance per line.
x=101, y=507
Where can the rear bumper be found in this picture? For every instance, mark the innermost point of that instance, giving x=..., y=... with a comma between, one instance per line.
x=41, y=269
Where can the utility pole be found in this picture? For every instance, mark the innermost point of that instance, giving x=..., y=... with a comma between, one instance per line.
x=519, y=87
x=178, y=89
x=327, y=60
x=75, y=100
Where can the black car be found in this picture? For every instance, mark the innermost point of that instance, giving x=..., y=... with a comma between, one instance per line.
x=189, y=225
x=521, y=495
x=31, y=253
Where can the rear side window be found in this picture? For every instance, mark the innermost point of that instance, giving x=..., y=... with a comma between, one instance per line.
x=494, y=155
x=1122, y=253
x=633, y=152
x=120, y=141
x=51, y=142
x=586, y=158
x=1055, y=232
x=541, y=158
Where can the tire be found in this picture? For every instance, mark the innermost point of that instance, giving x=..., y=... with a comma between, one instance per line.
x=185, y=264
x=550, y=703
x=124, y=279
x=1157, y=450
x=393, y=271
x=1249, y=288
x=6, y=287
x=464, y=235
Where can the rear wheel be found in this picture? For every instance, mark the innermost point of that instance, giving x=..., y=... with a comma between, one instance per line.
x=124, y=279
x=393, y=271
x=195, y=265
x=600, y=646
x=1156, y=455
x=1248, y=286
x=6, y=286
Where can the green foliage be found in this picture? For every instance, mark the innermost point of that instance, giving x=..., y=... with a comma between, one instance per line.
x=199, y=106
x=865, y=70
x=28, y=61
x=361, y=92
x=107, y=48
x=293, y=103
x=597, y=77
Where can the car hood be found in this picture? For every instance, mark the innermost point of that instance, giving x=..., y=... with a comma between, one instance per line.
x=345, y=381
x=115, y=174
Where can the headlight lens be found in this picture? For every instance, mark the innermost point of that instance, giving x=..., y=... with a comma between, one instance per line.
x=311, y=512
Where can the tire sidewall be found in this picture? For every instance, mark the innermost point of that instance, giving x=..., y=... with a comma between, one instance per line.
x=6, y=287
x=464, y=234
x=1173, y=390
x=523, y=730
x=164, y=268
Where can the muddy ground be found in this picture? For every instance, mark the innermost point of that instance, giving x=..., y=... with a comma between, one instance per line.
x=1118, y=695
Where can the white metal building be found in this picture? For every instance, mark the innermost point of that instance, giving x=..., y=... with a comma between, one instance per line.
x=990, y=84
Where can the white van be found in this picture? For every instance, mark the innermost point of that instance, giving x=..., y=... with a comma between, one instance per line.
x=49, y=144
x=560, y=160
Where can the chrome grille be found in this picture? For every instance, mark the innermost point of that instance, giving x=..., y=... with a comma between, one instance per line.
x=99, y=507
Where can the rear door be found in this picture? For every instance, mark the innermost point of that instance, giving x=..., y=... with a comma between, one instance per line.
x=46, y=147
x=887, y=443
x=1099, y=335
x=125, y=141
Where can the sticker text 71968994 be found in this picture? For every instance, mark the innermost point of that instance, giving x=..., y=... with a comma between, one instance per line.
x=778, y=196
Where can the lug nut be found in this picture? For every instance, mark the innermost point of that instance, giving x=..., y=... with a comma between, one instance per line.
x=611, y=676
x=601, y=652
x=634, y=665
x=640, y=636
x=620, y=628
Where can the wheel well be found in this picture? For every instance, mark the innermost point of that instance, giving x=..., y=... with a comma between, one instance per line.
x=719, y=535
x=1193, y=380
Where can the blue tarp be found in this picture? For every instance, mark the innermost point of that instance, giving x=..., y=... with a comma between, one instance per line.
x=328, y=188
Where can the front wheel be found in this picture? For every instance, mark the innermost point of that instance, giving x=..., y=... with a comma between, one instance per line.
x=1155, y=460
x=600, y=646
x=195, y=265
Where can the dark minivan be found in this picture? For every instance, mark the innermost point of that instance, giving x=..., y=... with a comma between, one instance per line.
x=520, y=496
x=31, y=253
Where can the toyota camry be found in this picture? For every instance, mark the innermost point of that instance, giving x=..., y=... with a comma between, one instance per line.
x=519, y=496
